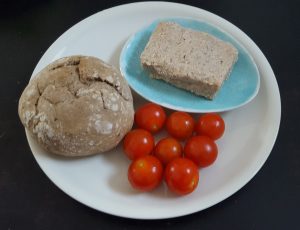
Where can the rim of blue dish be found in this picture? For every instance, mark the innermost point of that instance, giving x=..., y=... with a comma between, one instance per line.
x=182, y=108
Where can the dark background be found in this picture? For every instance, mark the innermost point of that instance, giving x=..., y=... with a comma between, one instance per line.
x=29, y=200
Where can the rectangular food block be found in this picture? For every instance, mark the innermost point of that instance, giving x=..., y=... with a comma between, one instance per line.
x=188, y=59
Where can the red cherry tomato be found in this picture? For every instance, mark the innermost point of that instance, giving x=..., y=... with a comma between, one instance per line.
x=145, y=173
x=180, y=125
x=151, y=117
x=182, y=176
x=202, y=150
x=210, y=124
x=138, y=143
x=167, y=149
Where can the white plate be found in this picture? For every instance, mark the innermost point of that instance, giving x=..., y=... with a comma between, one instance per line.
x=101, y=182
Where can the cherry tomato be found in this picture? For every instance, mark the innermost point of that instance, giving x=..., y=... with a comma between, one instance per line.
x=202, y=150
x=167, y=149
x=182, y=176
x=138, y=143
x=180, y=125
x=151, y=117
x=145, y=173
x=210, y=124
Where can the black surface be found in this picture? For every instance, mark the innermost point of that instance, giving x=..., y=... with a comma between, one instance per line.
x=29, y=200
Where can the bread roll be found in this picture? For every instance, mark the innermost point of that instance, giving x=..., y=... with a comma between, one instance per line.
x=77, y=106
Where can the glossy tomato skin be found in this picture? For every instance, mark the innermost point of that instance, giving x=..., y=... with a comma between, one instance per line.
x=202, y=150
x=180, y=125
x=167, y=149
x=138, y=143
x=145, y=173
x=151, y=117
x=182, y=176
x=210, y=124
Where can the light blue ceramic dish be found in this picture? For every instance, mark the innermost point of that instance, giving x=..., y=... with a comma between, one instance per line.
x=240, y=88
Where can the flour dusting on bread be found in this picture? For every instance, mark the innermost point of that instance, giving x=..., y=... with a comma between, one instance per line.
x=77, y=106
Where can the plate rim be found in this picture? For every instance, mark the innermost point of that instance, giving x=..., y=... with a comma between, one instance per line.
x=268, y=147
x=190, y=110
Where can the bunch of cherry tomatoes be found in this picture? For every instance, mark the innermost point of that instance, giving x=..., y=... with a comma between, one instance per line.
x=168, y=159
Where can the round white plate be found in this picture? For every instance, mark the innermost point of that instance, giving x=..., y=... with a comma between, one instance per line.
x=101, y=181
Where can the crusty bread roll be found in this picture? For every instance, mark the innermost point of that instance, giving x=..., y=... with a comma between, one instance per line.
x=77, y=106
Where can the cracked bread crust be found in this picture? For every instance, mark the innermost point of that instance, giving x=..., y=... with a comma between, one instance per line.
x=188, y=59
x=77, y=106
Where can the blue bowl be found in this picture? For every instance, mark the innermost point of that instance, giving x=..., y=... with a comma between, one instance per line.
x=239, y=89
